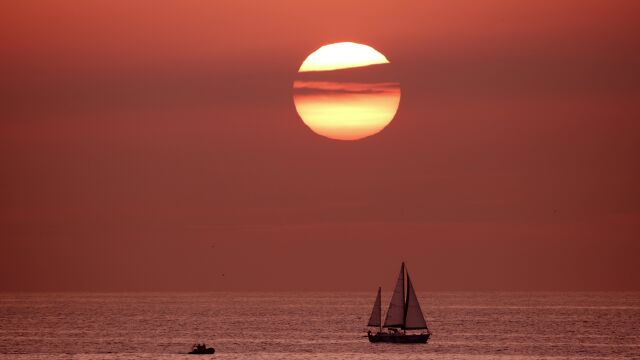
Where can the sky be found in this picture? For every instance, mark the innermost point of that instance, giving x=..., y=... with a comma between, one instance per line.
x=155, y=146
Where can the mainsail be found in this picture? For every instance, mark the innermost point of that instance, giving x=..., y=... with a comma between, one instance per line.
x=375, y=319
x=413, y=318
x=395, y=313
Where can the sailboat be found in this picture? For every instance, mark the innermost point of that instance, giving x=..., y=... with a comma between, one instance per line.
x=404, y=314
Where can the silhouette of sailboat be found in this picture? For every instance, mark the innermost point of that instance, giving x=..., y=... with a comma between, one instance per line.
x=404, y=314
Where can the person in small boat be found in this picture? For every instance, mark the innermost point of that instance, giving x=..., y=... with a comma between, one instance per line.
x=197, y=348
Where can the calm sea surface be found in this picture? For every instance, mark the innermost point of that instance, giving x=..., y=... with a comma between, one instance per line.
x=315, y=326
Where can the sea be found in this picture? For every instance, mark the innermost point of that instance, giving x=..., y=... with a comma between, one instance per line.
x=310, y=325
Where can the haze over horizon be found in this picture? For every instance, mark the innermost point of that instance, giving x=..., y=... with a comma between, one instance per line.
x=155, y=147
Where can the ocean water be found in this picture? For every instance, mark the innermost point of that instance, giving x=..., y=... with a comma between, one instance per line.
x=315, y=326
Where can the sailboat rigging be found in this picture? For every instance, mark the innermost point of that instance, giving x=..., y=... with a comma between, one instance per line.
x=404, y=313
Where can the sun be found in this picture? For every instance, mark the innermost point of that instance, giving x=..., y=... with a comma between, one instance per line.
x=343, y=91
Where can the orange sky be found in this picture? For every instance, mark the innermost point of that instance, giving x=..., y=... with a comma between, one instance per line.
x=155, y=146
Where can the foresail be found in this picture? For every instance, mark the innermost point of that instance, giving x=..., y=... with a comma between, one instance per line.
x=374, y=320
x=395, y=313
x=414, y=319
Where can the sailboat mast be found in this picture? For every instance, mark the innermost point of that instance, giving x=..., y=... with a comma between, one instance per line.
x=406, y=303
x=404, y=318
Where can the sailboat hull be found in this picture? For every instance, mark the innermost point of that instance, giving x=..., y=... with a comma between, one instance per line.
x=399, y=338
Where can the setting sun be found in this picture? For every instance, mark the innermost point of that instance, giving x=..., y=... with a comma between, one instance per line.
x=339, y=93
